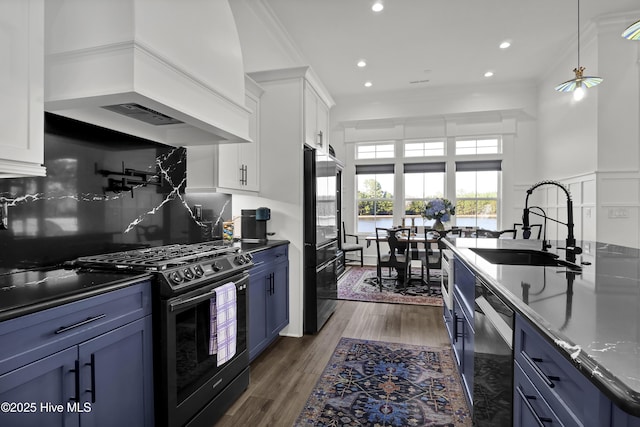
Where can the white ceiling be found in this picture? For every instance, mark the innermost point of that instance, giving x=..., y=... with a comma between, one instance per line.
x=443, y=41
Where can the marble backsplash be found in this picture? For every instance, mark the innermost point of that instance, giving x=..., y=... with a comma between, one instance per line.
x=104, y=192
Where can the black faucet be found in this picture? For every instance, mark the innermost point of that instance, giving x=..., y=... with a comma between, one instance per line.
x=571, y=248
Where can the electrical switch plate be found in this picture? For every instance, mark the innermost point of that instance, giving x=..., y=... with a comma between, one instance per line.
x=618, y=213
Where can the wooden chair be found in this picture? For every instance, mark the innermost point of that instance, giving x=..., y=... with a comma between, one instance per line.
x=351, y=247
x=534, y=227
x=502, y=234
x=432, y=258
x=398, y=257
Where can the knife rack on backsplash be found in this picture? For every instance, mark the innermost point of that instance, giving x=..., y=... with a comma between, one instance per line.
x=130, y=179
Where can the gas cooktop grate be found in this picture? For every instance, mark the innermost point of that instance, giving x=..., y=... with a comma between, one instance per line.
x=157, y=258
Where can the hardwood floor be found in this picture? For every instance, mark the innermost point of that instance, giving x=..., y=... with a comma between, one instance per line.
x=283, y=377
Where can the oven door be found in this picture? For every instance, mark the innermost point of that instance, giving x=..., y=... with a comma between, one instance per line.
x=447, y=278
x=190, y=376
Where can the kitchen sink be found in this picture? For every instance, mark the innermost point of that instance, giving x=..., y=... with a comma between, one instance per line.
x=523, y=257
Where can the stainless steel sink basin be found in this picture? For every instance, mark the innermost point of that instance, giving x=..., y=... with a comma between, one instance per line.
x=523, y=257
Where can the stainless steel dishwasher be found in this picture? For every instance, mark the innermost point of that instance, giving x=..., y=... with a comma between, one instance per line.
x=493, y=359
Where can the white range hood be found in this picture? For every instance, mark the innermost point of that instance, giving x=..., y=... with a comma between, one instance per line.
x=166, y=70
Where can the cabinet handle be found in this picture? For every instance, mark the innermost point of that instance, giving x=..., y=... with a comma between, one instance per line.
x=533, y=362
x=273, y=283
x=246, y=174
x=456, y=330
x=77, y=381
x=525, y=399
x=320, y=137
x=92, y=390
x=75, y=325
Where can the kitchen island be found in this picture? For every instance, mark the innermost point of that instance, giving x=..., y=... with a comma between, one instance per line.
x=591, y=318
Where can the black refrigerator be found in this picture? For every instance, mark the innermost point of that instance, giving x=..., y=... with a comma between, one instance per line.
x=320, y=238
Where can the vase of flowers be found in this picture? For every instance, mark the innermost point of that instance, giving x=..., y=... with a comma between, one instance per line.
x=439, y=209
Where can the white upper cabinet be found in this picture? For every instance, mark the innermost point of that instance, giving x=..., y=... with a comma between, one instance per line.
x=300, y=93
x=316, y=120
x=21, y=88
x=231, y=167
x=238, y=164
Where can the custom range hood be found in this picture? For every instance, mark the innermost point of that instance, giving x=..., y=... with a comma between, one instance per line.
x=166, y=70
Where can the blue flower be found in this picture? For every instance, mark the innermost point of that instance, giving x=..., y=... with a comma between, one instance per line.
x=440, y=208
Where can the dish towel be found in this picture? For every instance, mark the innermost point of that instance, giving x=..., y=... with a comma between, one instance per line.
x=224, y=325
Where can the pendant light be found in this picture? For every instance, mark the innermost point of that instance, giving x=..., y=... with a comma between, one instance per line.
x=581, y=82
x=632, y=32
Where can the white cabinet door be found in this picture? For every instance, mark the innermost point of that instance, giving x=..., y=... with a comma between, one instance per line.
x=316, y=120
x=21, y=88
x=250, y=153
x=310, y=116
x=323, y=125
x=238, y=164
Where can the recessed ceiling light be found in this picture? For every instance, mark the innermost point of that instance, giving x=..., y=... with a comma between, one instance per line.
x=488, y=74
x=368, y=84
x=377, y=6
x=362, y=63
x=505, y=44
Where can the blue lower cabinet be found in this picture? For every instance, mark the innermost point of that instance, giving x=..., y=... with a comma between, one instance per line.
x=103, y=376
x=268, y=298
x=111, y=380
x=35, y=392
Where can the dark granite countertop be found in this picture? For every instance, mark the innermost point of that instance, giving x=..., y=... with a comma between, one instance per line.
x=259, y=246
x=24, y=292
x=592, y=317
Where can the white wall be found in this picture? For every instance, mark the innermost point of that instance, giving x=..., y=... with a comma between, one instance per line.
x=594, y=145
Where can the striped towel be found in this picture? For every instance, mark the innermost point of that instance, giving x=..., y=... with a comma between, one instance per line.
x=224, y=325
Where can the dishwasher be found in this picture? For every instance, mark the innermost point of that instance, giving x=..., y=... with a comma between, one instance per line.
x=493, y=359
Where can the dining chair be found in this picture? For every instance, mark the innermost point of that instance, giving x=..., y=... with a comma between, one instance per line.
x=533, y=227
x=432, y=259
x=351, y=247
x=398, y=257
x=496, y=234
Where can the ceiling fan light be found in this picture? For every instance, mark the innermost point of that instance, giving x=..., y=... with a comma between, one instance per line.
x=579, y=93
x=632, y=32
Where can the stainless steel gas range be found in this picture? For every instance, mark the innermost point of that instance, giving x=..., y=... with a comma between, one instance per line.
x=192, y=386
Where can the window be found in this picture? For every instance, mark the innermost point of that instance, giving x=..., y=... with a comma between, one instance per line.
x=422, y=182
x=375, y=151
x=477, y=193
x=374, y=186
x=478, y=146
x=424, y=149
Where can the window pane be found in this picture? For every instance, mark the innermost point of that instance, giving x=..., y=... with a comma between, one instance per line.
x=375, y=201
x=487, y=184
x=479, y=146
x=477, y=199
x=424, y=149
x=375, y=151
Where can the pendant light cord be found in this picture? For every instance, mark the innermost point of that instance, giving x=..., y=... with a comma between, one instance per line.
x=578, y=67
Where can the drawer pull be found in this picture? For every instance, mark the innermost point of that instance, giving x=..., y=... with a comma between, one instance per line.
x=525, y=399
x=533, y=362
x=81, y=323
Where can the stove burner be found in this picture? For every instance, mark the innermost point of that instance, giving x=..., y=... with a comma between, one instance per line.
x=158, y=258
x=178, y=268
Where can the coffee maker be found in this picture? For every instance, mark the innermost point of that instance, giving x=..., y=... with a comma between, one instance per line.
x=254, y=224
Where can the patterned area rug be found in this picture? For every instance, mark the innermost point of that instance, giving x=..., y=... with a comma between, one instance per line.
x=359, y=284
x=372, y=383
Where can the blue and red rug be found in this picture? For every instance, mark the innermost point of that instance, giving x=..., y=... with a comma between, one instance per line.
x=358, y=284
x=372, y=383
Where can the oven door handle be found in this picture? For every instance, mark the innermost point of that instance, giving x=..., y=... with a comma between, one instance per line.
x=174, y=305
